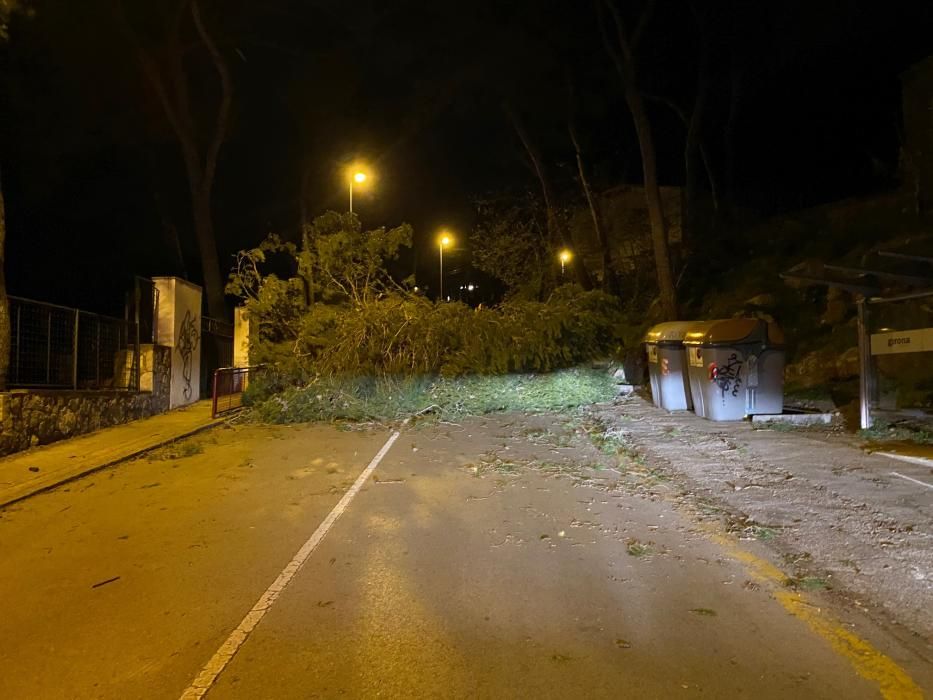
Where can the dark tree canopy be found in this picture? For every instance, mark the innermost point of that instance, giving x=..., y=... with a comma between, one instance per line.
x=801, y=106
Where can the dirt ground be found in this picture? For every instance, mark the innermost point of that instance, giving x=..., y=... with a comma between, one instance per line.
x=842, y=521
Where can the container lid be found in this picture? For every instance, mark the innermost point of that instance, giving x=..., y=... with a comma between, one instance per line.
x=672, y=331
x=734, y=330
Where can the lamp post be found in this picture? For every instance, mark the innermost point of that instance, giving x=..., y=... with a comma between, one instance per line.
x=358, y=177
x=565, y=257
x=442, y=242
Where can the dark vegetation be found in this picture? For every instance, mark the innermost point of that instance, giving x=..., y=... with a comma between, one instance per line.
x=673, y=146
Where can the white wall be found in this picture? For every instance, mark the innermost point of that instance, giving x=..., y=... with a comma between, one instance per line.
x=179, y=327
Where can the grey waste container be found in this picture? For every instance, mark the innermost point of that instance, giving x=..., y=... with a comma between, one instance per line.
x=667, y=365
x=735, y=367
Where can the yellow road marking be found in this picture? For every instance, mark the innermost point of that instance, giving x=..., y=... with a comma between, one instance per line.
x=893, y=681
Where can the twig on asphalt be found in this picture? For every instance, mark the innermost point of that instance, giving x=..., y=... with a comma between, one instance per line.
x=104, y=583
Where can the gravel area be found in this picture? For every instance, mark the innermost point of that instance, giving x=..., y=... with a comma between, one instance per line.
x=840, y=519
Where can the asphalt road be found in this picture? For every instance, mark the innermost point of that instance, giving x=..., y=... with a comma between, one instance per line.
x=496, y=558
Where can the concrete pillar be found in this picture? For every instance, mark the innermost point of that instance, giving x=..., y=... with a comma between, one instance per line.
x=178, y=322
x=244, y=329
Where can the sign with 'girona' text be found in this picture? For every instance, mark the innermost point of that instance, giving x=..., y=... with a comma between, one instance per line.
x=896, y=342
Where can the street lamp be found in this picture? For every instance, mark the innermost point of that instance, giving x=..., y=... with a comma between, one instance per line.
x=444, y=241
x=358, y=177
x=565, y=257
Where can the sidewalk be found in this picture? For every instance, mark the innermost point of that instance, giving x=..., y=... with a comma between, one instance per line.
x=857, y=523
x=26, y=473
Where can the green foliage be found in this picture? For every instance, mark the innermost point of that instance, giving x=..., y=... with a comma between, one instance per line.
x=510, y=243
x=903, y=431
x=405, y=334
x=337, y=262
x=341, y=313
x=277, y=304
x=352, y=262
x=391, y=398
x=337, y=268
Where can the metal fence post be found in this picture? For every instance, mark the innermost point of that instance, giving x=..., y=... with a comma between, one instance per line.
x=74, y=351
x=48, y=348
x=136, y=362
x=97, y=366
x=214, y=395
x=19, y=335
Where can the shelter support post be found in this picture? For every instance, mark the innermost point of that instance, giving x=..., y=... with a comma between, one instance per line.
x=866, y=367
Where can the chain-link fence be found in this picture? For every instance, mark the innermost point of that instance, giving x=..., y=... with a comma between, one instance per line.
x=58, y=347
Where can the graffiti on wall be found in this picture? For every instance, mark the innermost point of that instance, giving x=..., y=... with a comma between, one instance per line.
x=188, y=339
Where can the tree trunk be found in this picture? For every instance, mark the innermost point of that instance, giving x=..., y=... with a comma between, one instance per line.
x=171, y=85
x=303, y=213
x=623, y=56
x=662, y=255
x=700, y=145
x=692, y=148
x=610, y=283
x=4, y=302
x=171, y=231
x=207, y=246
x=737, y=80
x=555, y=228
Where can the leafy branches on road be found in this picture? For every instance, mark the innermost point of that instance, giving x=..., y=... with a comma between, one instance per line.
x=394, y=398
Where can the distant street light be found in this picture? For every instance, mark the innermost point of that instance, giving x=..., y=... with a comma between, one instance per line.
x=444, y=241
x=565, y=257
x=358, y=177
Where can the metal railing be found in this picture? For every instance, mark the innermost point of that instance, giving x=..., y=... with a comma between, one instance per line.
x=58, y=347
x=228, y=387
x=216, y=350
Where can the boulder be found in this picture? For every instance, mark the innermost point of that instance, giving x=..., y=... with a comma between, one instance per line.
x=814, y=368
x=766, y=301
x=847, y=364
x=838, y=307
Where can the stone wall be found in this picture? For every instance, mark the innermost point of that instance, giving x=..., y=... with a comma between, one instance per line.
x=38, y=417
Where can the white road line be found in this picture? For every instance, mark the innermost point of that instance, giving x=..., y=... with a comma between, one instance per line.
x=910, y=459
x=213, y=668
x=916, y=481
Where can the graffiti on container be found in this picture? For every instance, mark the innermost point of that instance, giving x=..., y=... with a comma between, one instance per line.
x=726, y=376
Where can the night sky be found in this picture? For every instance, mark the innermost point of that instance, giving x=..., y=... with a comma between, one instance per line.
x=94, y=182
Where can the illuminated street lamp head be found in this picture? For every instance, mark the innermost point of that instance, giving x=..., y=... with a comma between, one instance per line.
x=356, y=176
x=565, y=256
x=445, y=240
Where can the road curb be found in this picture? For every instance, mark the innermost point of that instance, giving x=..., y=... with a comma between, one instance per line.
x=6, y=500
